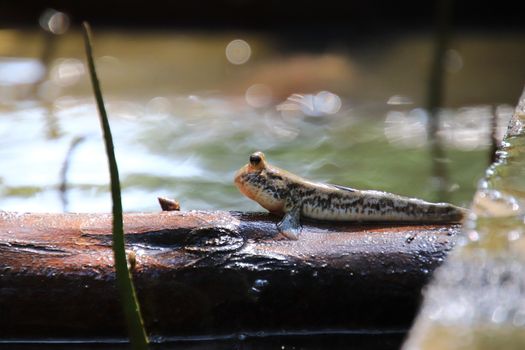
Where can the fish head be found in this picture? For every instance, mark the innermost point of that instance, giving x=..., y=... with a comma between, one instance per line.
x=256, y=180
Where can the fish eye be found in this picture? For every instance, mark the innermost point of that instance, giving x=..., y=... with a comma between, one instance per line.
x=255, y=159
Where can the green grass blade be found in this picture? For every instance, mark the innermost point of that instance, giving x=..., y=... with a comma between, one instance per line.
x=130, y=305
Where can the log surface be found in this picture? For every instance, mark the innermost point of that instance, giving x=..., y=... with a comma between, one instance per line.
x=209, y=273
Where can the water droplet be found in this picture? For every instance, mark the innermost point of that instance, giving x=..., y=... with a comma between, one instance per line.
x=260, y=283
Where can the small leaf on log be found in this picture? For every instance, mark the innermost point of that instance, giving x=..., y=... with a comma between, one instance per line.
x=168, y=204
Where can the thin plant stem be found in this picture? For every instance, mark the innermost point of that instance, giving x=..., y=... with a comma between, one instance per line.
x=63, y=188
x=494, y=142
x=129, y=301
x=435, y=96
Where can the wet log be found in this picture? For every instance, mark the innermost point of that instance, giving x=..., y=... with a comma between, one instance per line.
x=212, y=273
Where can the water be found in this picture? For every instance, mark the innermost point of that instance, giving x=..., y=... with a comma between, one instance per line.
x=187, y=109
x=477, y=300
x=191, y=148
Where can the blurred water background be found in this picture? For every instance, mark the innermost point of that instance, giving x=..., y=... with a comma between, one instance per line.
x=476, y=299
x=187, y=108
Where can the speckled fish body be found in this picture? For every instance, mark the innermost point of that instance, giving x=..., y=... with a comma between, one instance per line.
x=280, y=191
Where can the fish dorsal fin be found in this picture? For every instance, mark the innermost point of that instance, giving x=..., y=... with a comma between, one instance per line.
x=344, y=188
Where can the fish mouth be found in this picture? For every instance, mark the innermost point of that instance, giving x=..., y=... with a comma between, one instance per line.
x=242, y=184
x=238, y=176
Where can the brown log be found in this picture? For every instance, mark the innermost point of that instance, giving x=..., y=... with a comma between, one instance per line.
x=210, y=273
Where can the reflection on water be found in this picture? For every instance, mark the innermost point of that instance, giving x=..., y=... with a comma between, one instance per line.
x=399, y=100
x=465, y=129
x=20, y=71
x=188, y=147
x=321, y=104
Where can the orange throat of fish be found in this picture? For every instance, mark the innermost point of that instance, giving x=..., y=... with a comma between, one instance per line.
x=265, y=199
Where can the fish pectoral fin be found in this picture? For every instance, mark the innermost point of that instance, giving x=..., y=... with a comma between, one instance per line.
x=290, y=225
x=344, y=188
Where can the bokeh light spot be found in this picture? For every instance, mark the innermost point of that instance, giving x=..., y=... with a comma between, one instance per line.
x=258, y=95
x=159, y=105
x=321, y=104
x=67, y=72
x=396, y=100
x=54, y=21
x=327, y=102
x=238, y=51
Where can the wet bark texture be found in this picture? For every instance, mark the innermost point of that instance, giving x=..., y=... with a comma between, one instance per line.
x=202, y=273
